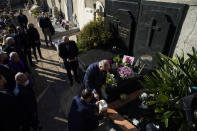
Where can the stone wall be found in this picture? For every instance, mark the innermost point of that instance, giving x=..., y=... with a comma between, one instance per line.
x=188, y=35
x=84, y=14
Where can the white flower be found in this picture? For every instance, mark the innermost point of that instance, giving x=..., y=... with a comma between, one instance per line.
x=157, y=126
x=144, y=95
x=142, y=106
x=135, y=122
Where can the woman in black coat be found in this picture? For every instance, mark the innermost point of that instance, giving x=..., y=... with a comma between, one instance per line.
x=35, y=39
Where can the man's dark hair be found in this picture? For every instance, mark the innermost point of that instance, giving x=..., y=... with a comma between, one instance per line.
x=86, y=93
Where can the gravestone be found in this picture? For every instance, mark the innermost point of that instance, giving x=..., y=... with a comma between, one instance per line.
x=122, y=16
x=145, y=27
x=158, y=28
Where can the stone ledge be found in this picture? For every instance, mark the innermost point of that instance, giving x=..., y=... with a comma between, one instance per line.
x=118, y=120
x=118, y=103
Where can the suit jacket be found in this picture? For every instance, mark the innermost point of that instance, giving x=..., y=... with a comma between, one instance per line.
x=9, y=75
x=22, y=19
x=9, y=113
x=69, y=50
x=45, y=22
x=17, y=67
x=33, y=36
x=82, y=116
x=27, y=100
x=94, y=78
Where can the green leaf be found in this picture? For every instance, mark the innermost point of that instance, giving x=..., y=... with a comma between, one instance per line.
x=150, y=103
x=167, y=114
x=163, y=98
x=166, y=122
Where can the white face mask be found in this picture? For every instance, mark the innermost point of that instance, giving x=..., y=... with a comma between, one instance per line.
x=26, y=83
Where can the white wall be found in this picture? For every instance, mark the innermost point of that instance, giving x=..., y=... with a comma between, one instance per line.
x=84, y=14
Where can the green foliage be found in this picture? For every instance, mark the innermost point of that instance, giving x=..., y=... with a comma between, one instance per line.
x=94, y=35
x=166, y=86
x=117, y=59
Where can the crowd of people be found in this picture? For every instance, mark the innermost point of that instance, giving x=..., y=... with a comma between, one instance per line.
x=19, y=107
x=19, y=110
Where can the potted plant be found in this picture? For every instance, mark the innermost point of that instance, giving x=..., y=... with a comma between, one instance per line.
x=117, y=60
x=167, y=86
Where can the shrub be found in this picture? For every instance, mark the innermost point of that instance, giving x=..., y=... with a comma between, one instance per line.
x=166, y=86
x=94, y=35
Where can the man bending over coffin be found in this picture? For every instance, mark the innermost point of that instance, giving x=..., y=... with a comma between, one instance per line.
x=95, y=77
x=83, y=116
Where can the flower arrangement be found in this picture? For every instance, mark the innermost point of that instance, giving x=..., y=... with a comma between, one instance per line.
x=110, y=80
x=128, y=60
x=28, y=6
x=125, y=72
x=65, y=25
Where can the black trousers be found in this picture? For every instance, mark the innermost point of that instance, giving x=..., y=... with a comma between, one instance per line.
x=38, y=49
x=47, y=34
x=71, y=66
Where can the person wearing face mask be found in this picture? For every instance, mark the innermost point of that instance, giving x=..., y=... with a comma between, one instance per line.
x=9, y=112
x=16, y=64
x=95, y=77
x=27, y=102
x=9, y=46
x=6, y=71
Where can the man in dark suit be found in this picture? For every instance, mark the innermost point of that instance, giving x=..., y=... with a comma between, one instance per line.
x=22, y=19
x=26, y=101
x=83, y=116
x=95, y=76
x=9, y=113
x=34, y=36
x=68, y=51
x=47, y=27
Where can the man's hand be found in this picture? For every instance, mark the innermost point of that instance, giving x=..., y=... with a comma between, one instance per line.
x=96, y=96
x=97, y=103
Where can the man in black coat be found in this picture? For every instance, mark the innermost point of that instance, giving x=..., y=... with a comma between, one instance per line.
x=82, y=115
x=34, y=37
x=27, y=102
x=68, y=51
x=9, y=113
x=26, y=46
x=47, y=27
x=95, y=77
x=22, y=19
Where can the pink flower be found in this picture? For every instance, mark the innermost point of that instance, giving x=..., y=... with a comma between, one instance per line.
x=125, y=71
x=129, y=60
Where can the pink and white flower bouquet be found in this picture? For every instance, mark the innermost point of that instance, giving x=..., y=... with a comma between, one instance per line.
x=125, y=72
